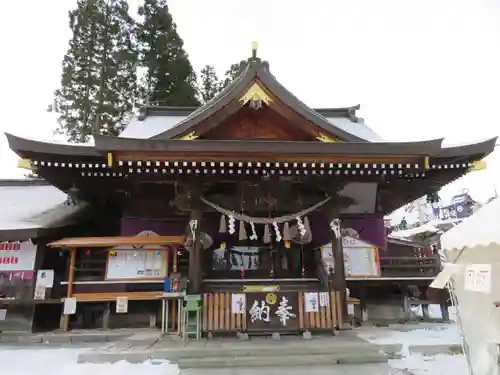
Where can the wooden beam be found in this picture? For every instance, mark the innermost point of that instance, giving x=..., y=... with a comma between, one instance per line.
x=69, y=291
x=270, y=157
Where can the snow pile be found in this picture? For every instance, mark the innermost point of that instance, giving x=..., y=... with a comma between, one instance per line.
x=64, y=361
x=438, y=364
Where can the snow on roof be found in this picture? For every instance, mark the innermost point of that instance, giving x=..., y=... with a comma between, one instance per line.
x=58, y=141
x=153, y=125
x=25, y=206
x=359, y=128
x=480, y=229
x=150, y=126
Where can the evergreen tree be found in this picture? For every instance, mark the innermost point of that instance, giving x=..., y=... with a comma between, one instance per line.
x=169, y=77
x=209, y=83
x=98, y=81
x=233, y=72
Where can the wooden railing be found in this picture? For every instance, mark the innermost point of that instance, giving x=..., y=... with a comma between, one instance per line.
x=218, y=317
x=409, y=266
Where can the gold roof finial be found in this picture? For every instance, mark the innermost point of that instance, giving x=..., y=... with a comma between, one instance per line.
x=255, y=45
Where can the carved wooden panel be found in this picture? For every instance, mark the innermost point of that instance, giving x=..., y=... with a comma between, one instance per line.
x=257, y=124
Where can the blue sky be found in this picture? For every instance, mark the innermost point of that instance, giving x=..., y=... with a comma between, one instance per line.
x=420, y=69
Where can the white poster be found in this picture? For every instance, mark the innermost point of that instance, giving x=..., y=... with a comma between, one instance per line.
x=238, y=303
x=324, y=299
x=350, y=309
x=45, y=278
x=40, y=292
x=3, y=314
x=17, y=256
x=311, y=302
x=69, y=306
x=478, y=278
x=121, y=305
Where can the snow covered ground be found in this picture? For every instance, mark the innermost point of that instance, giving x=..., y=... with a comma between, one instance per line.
x=49, y=360
x=44, y=361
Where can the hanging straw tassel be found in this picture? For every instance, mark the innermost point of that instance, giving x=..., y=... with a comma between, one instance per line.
x=306, y=224
x=222, y=225
x=267, y=234
x=242, y=235
x=286, y=232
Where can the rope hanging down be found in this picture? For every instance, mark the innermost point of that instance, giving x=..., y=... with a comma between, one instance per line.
x=264, y=220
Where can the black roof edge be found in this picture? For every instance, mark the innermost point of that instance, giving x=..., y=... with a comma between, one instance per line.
x=423, y=148
x=25, y=182
x=22, y=145
x=349, y=112
x=481, y=148
x=151, y=110
x=20, y=235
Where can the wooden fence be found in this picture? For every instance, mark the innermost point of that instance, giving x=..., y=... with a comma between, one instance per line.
x=218, y=317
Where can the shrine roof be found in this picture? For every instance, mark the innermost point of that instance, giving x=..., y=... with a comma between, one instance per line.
x=24, y=215
x=256, y=70
x=154, y=120
x=28, y=148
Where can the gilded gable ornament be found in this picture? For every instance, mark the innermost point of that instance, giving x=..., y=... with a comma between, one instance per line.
x=324, y=138
x=256, y=97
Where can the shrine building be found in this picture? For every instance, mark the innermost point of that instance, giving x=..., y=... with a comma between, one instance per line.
x=265, y=208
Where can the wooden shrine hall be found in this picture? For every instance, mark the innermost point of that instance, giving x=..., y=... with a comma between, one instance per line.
x=260, y=205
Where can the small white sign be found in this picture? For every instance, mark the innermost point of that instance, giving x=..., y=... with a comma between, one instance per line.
x=324, y=300
x=3, y=314
x=45, y=278
x=350, y=309
x=122, y=305
x=69, y=306
x=311, y=302
x=40, y=292
x=478, y=278
x=238, y=303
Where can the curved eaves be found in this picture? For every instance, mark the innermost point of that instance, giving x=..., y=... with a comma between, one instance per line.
x=25, y=147
x=481, y=148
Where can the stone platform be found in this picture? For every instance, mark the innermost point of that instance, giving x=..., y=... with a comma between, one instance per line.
x=345, y=348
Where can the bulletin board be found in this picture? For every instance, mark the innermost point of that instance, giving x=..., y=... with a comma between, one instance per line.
x=136, y=264
x=360, y=259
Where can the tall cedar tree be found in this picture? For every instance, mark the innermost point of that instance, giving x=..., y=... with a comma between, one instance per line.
x=98, y=82
x=169, y=77
x=209, y=85
x=232, y=73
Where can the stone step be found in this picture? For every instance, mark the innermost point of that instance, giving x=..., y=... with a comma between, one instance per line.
x=342, y=352
x=281, y=360
x=275, y=350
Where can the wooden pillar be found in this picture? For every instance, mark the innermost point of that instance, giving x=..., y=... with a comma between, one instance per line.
x=69, y=291
x=195, y=277
x=339, y=274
